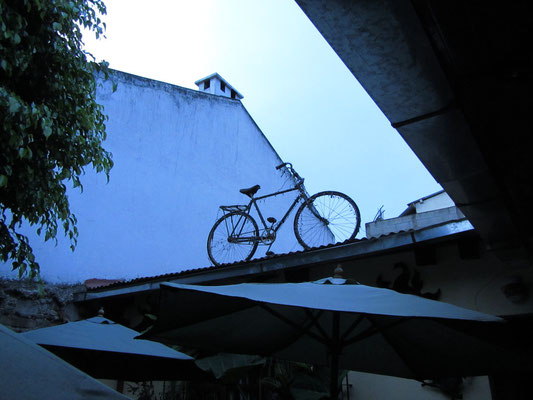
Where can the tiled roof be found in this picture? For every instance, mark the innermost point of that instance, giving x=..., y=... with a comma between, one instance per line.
x=338, y=251
x=113, y=283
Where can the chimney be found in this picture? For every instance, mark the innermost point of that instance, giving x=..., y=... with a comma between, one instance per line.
x=217, y=85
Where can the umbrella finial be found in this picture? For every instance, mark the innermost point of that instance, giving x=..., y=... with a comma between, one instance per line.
x=101, y=312
x=338, y=272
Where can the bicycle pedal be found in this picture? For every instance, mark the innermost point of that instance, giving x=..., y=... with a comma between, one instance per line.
x=269, y=253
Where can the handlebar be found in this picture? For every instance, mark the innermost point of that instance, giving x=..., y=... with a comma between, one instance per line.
x=284, y=164
x=291, y=169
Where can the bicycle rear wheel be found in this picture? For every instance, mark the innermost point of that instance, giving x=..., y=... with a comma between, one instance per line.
x=326, y=218
x=233, y=238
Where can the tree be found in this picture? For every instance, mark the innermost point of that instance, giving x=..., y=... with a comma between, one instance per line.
x=51, y=126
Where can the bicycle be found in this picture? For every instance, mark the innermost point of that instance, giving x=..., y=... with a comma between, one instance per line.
x=322, y=219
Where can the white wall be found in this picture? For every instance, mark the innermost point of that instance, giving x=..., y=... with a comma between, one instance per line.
x=178, y=155
x=441, y=200
x=416, y=221
x=379, y=387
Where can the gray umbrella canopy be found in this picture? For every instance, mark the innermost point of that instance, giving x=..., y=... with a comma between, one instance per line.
x=30, y=372
x=105, y=349
x=347, y=326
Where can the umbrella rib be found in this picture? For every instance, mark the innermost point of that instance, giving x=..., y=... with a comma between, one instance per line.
x=363, y=335
x=301, y=330
x=351, y=328
x=373, y=330
x=383, y=331
x=314, y=321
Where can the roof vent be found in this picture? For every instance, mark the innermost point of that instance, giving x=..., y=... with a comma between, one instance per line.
x=217, y=85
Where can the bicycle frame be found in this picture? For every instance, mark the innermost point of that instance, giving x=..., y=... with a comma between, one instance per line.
x=253, y=202
x=236, y=235
x=278, y=224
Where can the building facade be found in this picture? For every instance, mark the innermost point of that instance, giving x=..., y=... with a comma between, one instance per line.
x=178, y=155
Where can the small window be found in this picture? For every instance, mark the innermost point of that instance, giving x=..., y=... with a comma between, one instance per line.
x=207, y=83
x=233, y=94
x=222, y=86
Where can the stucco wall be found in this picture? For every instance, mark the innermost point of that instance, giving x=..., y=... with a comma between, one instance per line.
x=441, y=200
x=416, y=221
x=178, y=155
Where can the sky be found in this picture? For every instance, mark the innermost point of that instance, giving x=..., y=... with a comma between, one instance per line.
x=307, y=103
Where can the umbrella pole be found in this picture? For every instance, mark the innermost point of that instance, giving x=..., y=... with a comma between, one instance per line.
x=334, y=382
x=335, y=351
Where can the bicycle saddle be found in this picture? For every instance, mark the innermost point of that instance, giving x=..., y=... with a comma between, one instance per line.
x=250, y=191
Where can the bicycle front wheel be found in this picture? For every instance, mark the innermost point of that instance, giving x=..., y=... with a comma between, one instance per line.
x=233, y=238
x=326, y=218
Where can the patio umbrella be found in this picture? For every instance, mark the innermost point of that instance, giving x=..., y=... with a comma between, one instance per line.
x=32, y=373
x=107, y=350
x=346, y=326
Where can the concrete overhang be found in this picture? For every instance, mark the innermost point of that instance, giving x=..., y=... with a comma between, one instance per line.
x=452, y=78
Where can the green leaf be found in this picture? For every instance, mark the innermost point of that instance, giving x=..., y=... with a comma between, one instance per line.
x=47, y=131
x=14, y=105
x=53, y=101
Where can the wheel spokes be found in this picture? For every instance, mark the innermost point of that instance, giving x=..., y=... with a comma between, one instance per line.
x=327, y=218
x=233, y=238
